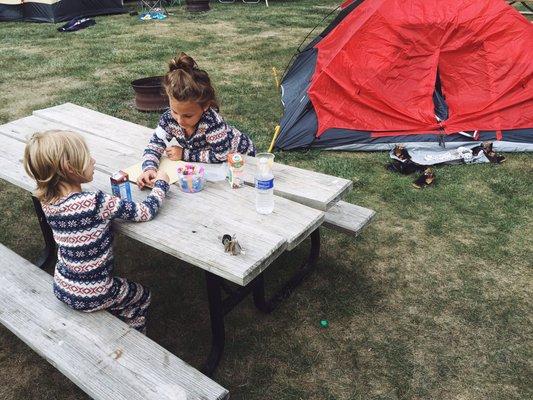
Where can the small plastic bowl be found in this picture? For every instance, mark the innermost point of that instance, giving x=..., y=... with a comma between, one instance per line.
x=191, y=178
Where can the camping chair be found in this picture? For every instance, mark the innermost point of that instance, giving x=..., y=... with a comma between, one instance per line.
x=148, y=6
x=244, y=1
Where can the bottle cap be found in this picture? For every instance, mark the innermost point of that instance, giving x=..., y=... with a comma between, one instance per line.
x=235, y=160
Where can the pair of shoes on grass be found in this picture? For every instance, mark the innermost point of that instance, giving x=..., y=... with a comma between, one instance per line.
x=404, y=165
x=486, y=148
x=491, y=154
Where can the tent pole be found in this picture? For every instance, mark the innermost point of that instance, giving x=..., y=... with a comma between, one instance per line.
x=276, y=133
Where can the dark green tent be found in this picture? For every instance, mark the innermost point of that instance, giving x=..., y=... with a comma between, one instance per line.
x=56, y=10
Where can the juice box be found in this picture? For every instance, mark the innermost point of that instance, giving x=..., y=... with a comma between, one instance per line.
x=236, y=169
x=120, y=185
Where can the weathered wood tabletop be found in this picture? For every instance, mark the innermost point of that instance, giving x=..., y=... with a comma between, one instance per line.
x=189, y=226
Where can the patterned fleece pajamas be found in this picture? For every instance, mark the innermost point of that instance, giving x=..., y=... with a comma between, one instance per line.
x=211, y=142
x=131, y=303
x=81, y=225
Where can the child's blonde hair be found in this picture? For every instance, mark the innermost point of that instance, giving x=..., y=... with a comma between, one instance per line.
x=49, y=156
x=184, y=81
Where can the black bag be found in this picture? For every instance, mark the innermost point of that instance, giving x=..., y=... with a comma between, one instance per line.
x=76, y=24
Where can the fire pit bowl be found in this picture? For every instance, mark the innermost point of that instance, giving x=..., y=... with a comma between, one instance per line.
x=197, y=5
x=150, y=94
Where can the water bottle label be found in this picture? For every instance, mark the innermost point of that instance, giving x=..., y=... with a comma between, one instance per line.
x=264, y=185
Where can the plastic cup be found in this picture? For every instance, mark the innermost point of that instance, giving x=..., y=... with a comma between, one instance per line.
x=269, y=157
x=191, y=179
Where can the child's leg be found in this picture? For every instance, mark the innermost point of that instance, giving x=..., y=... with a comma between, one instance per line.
x=131, y=303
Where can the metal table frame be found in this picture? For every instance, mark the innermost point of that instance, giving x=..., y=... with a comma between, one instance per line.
x=147, y=6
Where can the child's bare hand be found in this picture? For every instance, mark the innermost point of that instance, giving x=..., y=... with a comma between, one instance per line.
x=147, y=178
x=163, y=176
x=174, y=153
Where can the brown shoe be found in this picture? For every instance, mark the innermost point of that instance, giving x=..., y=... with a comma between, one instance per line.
x=426, y=179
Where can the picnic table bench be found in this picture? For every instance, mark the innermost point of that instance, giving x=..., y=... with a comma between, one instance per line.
x=190, y=227
x=98, y=352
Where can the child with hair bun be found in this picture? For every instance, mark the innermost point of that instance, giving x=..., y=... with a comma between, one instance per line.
x=59, y=162
x=192, y=121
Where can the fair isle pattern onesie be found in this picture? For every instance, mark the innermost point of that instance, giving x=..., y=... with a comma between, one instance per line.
x=211, y=142
x=83, y=278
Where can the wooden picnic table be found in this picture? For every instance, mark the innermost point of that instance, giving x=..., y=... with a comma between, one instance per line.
x=190, y=226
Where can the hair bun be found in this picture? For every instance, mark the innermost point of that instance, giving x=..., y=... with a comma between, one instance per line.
x=183, y=62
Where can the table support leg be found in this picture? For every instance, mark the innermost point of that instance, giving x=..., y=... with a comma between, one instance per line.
x=48, y=255
x=216, y=313
x=269, y=305
x=219, y=307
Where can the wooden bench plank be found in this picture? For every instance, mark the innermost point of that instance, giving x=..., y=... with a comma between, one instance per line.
x=98, y=352
x=111, y=156
x=311, y=188
x=348, y=218
x=195, y=237
x=99, y=124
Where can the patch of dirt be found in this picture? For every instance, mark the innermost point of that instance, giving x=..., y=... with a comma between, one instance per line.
x=268, y=34
x=157, y=29
x=32, y=95
x=110, y=74
x=24, y=50
x=220, y=28
x=230, y=71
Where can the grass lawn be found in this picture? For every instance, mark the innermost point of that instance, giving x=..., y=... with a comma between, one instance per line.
x=432, y=301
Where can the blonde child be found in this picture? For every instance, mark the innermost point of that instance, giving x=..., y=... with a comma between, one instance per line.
x=59, y=162
x=192, y=121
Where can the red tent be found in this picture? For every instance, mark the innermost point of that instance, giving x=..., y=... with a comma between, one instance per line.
x=402, y=71
x=390, y=52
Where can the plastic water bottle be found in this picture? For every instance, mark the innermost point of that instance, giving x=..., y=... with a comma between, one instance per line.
x=264, y=187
